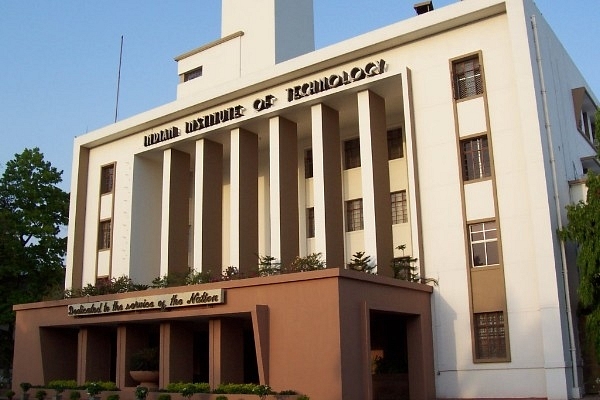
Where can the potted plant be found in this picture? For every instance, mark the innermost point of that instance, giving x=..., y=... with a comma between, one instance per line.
x=9, y=394
x=141, y=392
x=144, y=367
x=40, y=394
x=93, y=390
x=25, y=386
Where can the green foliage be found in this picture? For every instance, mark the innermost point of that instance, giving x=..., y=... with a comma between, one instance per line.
x=584, y=229
x=33, y=209
x=141, y=392
x=362, y=263
x=113, y=396
x=195, y=277
x=93, y=388
x=268, y=265
x=61, y=385
x=25, y=386
x=74, y=395
x=231, y=273
x=303, y=397
x=404, y=268
x=164, y=396
x=311, y=262
x=9, y=394
x=40, y=394
x=188, y=389
x=262, y=391
x=221, y=398
x=288, y=392
x=236, y=388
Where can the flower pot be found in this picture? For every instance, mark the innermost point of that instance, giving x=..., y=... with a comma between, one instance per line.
x=145, y=378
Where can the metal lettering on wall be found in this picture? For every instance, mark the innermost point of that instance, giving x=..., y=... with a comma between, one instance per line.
x=158, y=302
x=297, y=92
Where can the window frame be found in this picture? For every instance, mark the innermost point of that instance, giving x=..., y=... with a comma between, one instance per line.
x=308, y=164
x=310, y=222
x=107, y=178
x=105, y=235
x=395, y=144
x=489, y=236
x=475, y=163
x=354, y=215
x=399, y=207
x=467, y=81
x=352, y=153
x=490, y=346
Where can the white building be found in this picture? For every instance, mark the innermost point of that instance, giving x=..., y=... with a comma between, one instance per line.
x=455, y=133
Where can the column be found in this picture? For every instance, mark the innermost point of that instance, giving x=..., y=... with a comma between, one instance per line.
x=243, y=240
x=327, y=180
x=175, y=212
x=226, y=351
x=283, y=189
x=177, y=354
x=208, y=197
x=375, y=180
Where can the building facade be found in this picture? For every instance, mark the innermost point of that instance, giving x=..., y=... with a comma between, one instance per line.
x=455, y=137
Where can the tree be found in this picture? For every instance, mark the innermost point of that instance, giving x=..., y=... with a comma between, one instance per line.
x=33, y=210
x=584, y=229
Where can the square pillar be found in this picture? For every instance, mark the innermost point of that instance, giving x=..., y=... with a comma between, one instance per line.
x=208, y=207
x=175, y=212
x=244, y=200
x=283, y=180
x=176, y=353
x=226, y=349
x=327, y=181
x=375, y=180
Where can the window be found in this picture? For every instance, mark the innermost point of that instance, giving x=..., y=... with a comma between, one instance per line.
x=310, y=222
x=399, y=209
x=352, y=153
x=490, y=336
x=308, y=164
x=104, y=235
x=394, y=139
x=193, y=74
x=354, y=215
x=483, y=238
x=108, y=179
x=475, y=157
x=467, y=78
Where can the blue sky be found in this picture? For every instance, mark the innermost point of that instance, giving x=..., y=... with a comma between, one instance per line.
x=59, y=59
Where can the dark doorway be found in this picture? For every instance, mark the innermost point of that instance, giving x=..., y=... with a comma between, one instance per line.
x=389, y=356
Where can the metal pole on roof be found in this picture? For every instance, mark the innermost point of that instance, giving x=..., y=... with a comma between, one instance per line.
x=119, y=80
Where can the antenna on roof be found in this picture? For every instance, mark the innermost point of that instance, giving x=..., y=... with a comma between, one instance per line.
x=119, y=80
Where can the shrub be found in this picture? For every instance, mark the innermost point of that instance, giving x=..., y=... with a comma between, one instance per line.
x=113, y=396
x=9, y=394
x=164, y=396
x=145, y=359
x=288, y=392
x=40, y=394
x=74, y=395
x=221, y=398
x=311, y=262
x=25, y=386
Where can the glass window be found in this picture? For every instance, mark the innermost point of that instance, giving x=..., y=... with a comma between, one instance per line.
x=395, y=149
x=483, y=238
x=467, y=78
x=352, y=153
x=193, y=74
x=490, y=336
x=399, y=207
x=308, y=164
x=107, y=179
x=310, y=222
x=104, y=235
x=354, y=215
x=475, y=158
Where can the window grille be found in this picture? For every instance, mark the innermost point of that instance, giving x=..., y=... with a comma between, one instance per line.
x=475, y=158
x=490, y=336
x=354, y=215
x=467, y=78
x=399, y=207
